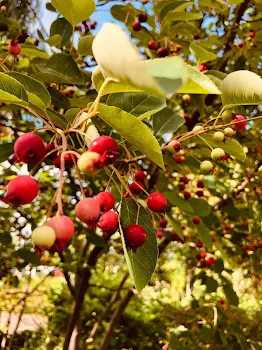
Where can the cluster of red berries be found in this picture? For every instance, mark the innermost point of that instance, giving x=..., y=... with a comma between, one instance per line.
x=86, y=26
x=142, y=18
x=137, y=186
x=204, y=261
x=183, y=181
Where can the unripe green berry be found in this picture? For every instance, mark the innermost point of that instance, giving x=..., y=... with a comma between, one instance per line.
x=229, y=132
x=227, y=116
x=44, y=236
x=218, y=136
x=206, y=166
x=217, y=153
x=197, y=128
x=186, y=98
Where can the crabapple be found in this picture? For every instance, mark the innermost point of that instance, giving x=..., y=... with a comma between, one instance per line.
x=140, y=176
x=88, y=210
x=152, y=45
x=202, y=67
x=199, y=244
x=21, y=190
x=200, y=193
x=14, y=48
x=63, y=226
x=106, y=201
x=44, y=236
x=187, y=195
x=196, y=220
x=218, y=136
x=107, y=148
x=159, y=234
x=206, y=166
x=162, y=52
x=210, y=261
x=136, y=187
x=174, y=145
x=184, y=179
x=252, y=35
x=108, y=223
x=227, y=116
x=217, y=153
x=69, y=161
x=229, y=132
x=157, y=202
x=48, y=148
x=135, y=236
x=88, y=163
x=142, y=17
x=200, y=184
x=136, y=26
x=182, y=186
x=241, y=125
x=163, y=223
x=178, y=160
x=29, y=148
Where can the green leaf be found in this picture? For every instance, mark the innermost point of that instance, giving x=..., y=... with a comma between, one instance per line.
x=28, y=256
x=54, y=40
x=200, y=54
x=12, y=91
x=50, y=7
x=71, y=114
x=198, y=83
x=231, y=147
x=133, y=130
x=231, y=294
x=83, y=101
x=32, y=52
x=118, y=59
x=241, y=88
x=75, y=11
x=211, y=285
x=200, y=206
x=58, y=99
x=178, y=201
x=204, y=235
x=166, y=121
x=141, y=264
x=63, y=28
x=57, y=118
x=37, y=93
x=139, y=104
x=6, y=149
x=85, y=45
x=60, y=69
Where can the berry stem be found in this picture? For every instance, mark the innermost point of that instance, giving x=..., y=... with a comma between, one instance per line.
x=62, y=169
x=205, y=142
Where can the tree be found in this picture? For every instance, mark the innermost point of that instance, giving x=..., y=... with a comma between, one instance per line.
x=138, y=158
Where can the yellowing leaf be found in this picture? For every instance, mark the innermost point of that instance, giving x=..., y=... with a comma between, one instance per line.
x=201, y=55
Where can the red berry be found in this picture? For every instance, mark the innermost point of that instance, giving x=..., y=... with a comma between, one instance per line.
x=252, y=35
x=14, y=48
x=165, y=347
x=63, y=227
x=201, y=256
x=140, y=176
x=176, y=145
x=157, y=202
x=199, y=244
x=178, y=160
x=163, y=223
x=260, y=243
x=106, y=147
x=196, y=220
x=106, y=201
x=29, y=148
x=257, y=150
x=162, y=52
x=202, y=67
x=108, y=223
x=142, y=17
x=88, y=210
x=241, y=44
x=136, y=187
x=203, y=263
x=93, y=26
x=239, y=126
x=244, y=248
x=69, y=161
x=187, y=195
x=159, y=234
x=135, y=236
x=36, y=42
x=184, y=179
x=200, y=184
x=48, y=148
x=200, y=193
x=222, y=301
x=175, y=237
x=21, y=190
x=210, y=261
x=136, y=26
x=152, y=45
x=182, y=186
